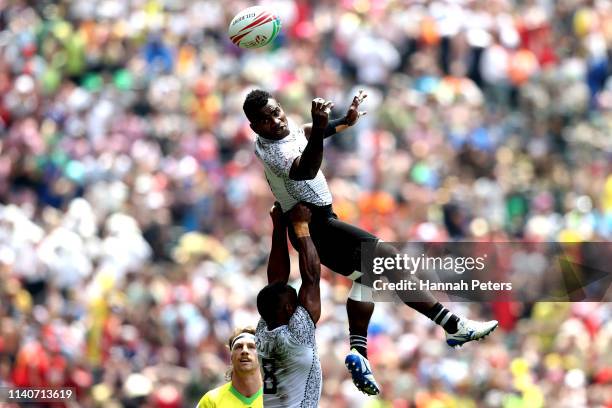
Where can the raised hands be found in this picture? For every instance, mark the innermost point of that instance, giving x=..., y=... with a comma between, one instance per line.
x=353, y=112
x=320, y=112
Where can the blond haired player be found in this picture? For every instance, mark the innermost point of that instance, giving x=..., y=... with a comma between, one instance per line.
x=245, y=386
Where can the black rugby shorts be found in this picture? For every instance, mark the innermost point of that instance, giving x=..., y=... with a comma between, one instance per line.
x=338, y=243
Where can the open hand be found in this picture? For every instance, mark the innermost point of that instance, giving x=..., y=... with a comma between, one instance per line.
x=353, y=112
x=320, y=112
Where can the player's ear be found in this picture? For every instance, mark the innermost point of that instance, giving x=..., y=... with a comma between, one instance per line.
x=289, y=308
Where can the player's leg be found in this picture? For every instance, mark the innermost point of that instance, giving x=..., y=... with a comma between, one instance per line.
x=340, y=245
x=359, y=308
x=340, y=250
x=336, y=253
x=459, y=330
x=359, y=314
x=427, y=303
x=347, y=239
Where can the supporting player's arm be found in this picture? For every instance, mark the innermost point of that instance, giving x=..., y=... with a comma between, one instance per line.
x=279, y=264
x=306, y=166
x=338, y=125
x=309, y=295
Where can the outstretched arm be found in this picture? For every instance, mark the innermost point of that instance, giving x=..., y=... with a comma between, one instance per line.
x=306, y=166
x=279, y=264
x=334, y=126
x=338, y=125
x=309, y=295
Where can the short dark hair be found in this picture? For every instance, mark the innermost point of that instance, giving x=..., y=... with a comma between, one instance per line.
x=269, y=298
x=254, y=101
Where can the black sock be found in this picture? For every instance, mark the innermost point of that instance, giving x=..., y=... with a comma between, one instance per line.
x=359, y=343
x=443, y=317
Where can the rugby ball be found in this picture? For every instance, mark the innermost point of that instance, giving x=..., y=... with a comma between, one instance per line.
x=254, y=27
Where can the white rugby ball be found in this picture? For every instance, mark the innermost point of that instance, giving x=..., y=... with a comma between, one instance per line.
x=254, y=27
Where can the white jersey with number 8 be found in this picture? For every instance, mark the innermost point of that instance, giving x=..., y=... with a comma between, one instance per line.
x=290, y=363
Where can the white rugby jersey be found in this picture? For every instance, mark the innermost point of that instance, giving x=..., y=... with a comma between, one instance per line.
x=290, y=363
x=277, y=157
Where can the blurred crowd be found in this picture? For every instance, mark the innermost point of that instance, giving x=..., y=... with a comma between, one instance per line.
x=133, y=214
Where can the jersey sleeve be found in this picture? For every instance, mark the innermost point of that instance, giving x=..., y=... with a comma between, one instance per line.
x=302, y=328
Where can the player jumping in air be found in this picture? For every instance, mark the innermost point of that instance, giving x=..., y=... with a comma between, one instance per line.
x=292, y=155
x=286, y=331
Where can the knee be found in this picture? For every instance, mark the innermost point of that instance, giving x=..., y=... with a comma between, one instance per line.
x=360, y=293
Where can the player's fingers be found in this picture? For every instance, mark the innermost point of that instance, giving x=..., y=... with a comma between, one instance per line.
x=359, y=98
x=303, y=211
